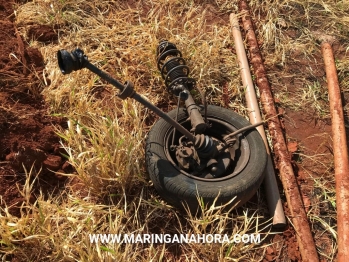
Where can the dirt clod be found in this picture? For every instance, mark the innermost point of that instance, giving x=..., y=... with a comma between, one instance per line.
x=52, y=162
x=42, y=33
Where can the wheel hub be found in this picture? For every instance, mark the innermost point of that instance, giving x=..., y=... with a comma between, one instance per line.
x=197, y=162
x=229, y=163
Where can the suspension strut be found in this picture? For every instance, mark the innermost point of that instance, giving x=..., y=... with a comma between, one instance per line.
x=175, y=72
x=77, y=60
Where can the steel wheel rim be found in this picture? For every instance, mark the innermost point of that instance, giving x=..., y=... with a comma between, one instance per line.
x=241, y=163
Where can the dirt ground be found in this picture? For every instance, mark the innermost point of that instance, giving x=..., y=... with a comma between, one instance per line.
x=27, y=133
x=28, y=136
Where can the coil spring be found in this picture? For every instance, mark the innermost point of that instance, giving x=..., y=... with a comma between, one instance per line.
x=173, y=68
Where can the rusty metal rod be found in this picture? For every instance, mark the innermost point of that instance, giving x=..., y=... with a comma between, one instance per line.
x=305, y=239
x=340, y=152
x=270, y=184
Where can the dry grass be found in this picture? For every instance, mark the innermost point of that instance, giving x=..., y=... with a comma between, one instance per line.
x=105, y=137
x=291, y=31
x=58, y=229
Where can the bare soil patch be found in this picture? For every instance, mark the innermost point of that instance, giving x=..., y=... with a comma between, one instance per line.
x=28, y=137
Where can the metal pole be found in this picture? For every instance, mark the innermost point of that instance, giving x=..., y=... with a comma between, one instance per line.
x=340, y=152
x=270, y=184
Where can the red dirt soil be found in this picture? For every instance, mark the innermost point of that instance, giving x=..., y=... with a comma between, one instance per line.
x=28, y=137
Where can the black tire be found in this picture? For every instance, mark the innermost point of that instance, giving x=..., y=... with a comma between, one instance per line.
x=178, y=189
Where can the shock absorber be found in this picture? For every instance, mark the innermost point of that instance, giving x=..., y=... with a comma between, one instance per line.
x=173, y=68
x=175, y=72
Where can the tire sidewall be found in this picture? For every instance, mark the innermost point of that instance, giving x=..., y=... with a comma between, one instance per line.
x=177, y=188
